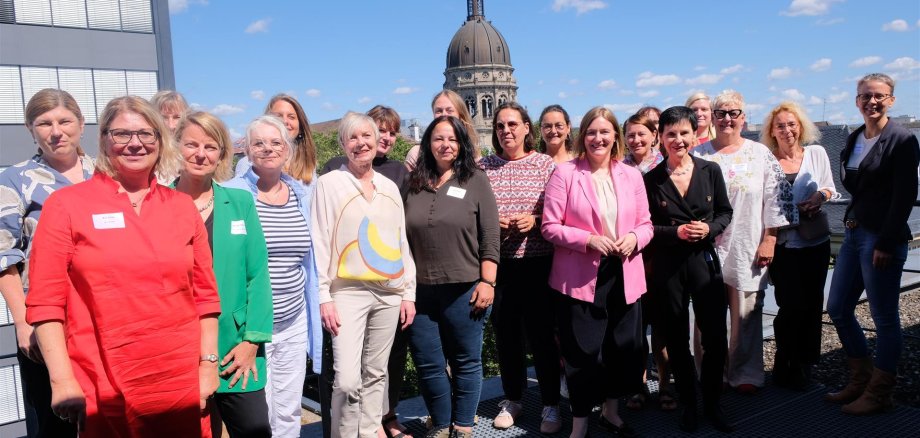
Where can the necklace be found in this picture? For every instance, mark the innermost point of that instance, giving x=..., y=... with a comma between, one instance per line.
x=208, y=205
x=139, y=200
x=272, y=198
x=675, y=172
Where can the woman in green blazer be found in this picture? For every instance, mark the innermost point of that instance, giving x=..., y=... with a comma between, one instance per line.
x=241, y=268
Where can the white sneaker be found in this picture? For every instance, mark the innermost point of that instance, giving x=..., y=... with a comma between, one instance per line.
x=551, y=423
x=509, y=411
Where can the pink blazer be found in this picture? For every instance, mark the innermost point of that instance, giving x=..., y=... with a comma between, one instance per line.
x=571, y=215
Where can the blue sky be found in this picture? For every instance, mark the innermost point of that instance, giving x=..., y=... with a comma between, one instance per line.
x=334, y=56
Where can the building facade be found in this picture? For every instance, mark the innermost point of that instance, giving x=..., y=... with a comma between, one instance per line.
x=93, y=49
x=479, y=70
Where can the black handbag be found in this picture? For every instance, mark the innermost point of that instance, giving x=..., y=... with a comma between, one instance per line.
x=811, y=228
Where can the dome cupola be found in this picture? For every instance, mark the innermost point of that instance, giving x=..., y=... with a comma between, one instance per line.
x=477, y=42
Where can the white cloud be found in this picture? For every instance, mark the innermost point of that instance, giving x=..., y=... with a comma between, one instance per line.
x=732, y=70
x=754, y=107
x=404, y=90
x=809, y=7
x=235, y=134
x=838, y=118
x=821, y=64
x=903, y=64
x=179, y=6
x=838, y=97
x=257, y=94
x=562, y=95
x=329, y=106
x=896, y=26
x=829, y=21
x=580, y=6
x=793, y=94
x=699, y=68
x=573, y=81
x=225, y=109
x=649, y=93
x=649, y=79
x=364, y=100
x=624, y=107
x=259, y=26
x=195, y=106
x=815, y=100
x=704, y=79
x=540, y=82
x=780, y=73
x=313, y=92
x=865, y=61
x=627, y=92
x=607, y=84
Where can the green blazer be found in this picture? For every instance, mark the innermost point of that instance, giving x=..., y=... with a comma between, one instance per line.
x=241, y=268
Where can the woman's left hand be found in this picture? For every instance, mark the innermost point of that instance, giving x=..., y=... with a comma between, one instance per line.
x=524, y=222
x=208, y=382
x=243, y=358
x=625, y=245
x=812, y=205
x=406, y=314
x=482, y=297
x=764, y=255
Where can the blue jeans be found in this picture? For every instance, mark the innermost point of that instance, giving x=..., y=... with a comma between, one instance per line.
x=853, y=273
x=445, y=326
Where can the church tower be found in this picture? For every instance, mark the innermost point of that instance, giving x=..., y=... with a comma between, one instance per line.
x=479, y=69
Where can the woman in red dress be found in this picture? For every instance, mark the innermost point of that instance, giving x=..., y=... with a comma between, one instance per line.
x=123, y=297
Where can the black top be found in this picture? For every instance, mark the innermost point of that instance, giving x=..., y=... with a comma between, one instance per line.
x=394, y=170
x=209, y=224
x=884, y=187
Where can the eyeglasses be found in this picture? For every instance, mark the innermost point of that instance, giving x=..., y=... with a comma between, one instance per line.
x=510, y=125
x=123, y=136
x=784, y=126
x=275, y=145
x=866, y=97
x=550, y=126
x=720, y=114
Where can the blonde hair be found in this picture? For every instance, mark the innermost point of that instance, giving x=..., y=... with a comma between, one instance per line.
x=168, y=159
x=880, y=77
x=302, y=162
x=463, y=114
x=618, y=151
x=728, y=97
x=48, y=99
x=809, y=134
x=169, y=100
x=213, y=127
x=710, y=130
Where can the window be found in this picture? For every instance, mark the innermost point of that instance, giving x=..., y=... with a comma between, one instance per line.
x=6, y=12
x=69, y=13
x=33, y=12
x=142, y=83
x=471, y=106
x=487, y=107
x=79, y=83
x=109, y=84
x=104, y=14
x=136, y=16
x=37, y=78
x=11, y=106
x=120, y=15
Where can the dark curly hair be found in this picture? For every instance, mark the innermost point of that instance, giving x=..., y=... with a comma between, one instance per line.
x=425, y=174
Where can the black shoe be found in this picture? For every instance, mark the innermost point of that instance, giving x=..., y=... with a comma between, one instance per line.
x=717, y=419
x=688, y=420
x=620, y=431
x=798, y=378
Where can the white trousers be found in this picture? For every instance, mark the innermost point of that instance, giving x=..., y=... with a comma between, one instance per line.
x=745, y=341
x=360, y=355
x=286, y=365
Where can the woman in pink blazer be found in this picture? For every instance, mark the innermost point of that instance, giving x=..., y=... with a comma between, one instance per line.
x=596, y=214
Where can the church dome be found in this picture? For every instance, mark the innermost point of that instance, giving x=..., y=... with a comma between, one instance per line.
x=477, y=43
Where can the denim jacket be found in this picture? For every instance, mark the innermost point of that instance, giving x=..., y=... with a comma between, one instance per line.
x=247, y=181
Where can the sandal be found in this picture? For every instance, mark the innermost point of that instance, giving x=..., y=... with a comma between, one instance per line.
x=666, y=400
x=386, y=430
x=637, y=401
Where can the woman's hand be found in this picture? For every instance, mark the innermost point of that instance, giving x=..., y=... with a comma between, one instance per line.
x=880, y=259
x=812, y=205
x=693, y=231
x=504, y=223
x=208, y=382
x=482, y=297
x=28, y=343
x=764, y=255
x=406, y=314
x=626, y=245
x=243, y=358
x=330, y=317
x=69, y=403
x=524, y=222
x=601, y=244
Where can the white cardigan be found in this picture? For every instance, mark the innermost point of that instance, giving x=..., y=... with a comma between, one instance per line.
x=814, y=174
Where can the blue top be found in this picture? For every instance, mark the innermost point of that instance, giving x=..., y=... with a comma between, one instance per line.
x=304, y=193
x=24, y=188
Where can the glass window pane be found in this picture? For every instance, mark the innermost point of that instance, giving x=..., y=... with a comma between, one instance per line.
x=109, y=84
x=11, y=107
x=79, y=83
x=103, y=14
x=33, y=11
x=6, y=11
x=136, y=16
x=70, y=13
x=37, y=78
x=142, y=83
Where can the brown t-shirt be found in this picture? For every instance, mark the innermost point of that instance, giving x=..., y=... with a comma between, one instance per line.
x=451, y=230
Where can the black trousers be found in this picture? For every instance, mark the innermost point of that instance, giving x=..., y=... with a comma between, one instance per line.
x=524, y=309
x=682, y=274
x=244, y=413
x=798, y=276
x=36, y=391
x=601, y=342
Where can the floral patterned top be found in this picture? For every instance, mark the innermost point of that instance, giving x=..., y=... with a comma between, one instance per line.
x=24, y=188
x=646, y=165
x=756, y=186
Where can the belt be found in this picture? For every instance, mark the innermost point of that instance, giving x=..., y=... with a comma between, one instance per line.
x=851, y=224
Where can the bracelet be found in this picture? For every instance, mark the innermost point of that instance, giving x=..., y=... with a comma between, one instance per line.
x=823, y=196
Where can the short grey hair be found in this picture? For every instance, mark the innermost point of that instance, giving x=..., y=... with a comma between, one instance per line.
x=274, y=122
x=351, y=121
x=728, y=97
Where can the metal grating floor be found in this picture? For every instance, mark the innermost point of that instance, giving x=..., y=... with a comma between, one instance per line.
x=773, y=412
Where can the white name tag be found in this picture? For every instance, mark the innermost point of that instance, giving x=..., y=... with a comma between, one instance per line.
x=456, y=192
x=237, y=227
x=743, y=167
x=108, y=221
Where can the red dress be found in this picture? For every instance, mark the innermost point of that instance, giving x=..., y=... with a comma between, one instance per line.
x=130, y=290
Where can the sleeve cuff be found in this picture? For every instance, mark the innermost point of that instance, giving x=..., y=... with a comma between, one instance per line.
x=208, y=309
x=257, y=337
x=37, y=314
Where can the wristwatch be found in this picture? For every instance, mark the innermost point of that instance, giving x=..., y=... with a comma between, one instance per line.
x=490, y=283
x=209, y=358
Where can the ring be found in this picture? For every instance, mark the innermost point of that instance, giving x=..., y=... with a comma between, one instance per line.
x=62, y=417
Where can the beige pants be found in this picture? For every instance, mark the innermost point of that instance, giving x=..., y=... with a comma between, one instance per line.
x=360, y=353
x=744, y=363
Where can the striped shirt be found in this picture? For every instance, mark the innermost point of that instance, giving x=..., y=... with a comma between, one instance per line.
x=288, y=240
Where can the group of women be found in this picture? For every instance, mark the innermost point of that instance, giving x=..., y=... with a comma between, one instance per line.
x=573, y=247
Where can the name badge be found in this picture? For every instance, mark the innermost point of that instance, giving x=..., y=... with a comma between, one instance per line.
x=237, y=227
x=742, y=167
x=456, y=192
x=108, y=221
